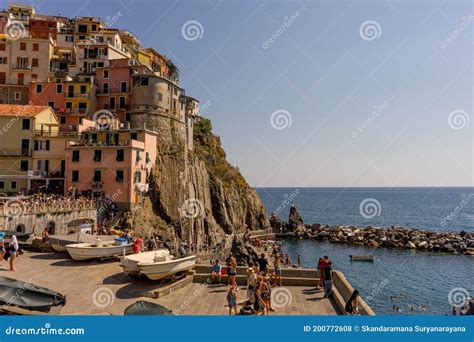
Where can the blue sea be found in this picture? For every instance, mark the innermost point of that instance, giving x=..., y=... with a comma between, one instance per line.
x=399, y=282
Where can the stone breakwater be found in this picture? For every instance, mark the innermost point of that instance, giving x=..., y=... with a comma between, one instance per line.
x=393, y=237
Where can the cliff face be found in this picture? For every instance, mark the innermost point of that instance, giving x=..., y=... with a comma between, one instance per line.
x=196, y=195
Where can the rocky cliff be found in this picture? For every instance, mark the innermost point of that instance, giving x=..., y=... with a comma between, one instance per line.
x=196, y=195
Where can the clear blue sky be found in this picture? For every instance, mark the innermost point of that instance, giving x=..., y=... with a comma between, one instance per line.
x=328, y=78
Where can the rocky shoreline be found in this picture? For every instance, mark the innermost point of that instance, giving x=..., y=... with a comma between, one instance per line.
x=375, y=237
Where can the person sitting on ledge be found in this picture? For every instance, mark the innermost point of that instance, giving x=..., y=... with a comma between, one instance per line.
x=216, y=273
x=352, y=305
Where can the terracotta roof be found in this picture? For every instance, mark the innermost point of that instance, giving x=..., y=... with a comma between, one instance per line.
x=21, y=110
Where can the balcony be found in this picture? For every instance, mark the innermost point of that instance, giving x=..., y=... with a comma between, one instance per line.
x=15, y=152
x=77, y=95
x=21, y=67
x=41, y=174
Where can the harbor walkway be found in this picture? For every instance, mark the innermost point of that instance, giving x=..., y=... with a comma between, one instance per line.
x=100, y=288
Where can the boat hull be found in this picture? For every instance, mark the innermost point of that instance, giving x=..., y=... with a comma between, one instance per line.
x=130, y=263
x=81, y=252
x=160, y=270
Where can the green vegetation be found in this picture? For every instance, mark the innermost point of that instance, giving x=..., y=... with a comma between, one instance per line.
x=208, y=147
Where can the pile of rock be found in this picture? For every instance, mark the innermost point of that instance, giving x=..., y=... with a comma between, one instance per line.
x=393, y=237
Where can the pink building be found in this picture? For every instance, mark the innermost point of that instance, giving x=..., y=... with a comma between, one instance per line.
x=116, y=163
x=114, y=86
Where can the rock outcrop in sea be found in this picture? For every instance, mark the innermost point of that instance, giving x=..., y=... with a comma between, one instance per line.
x=390, y=237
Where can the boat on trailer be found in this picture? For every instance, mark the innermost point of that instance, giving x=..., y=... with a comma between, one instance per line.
x=99, y=249
x=156, y=265
x=59, y=242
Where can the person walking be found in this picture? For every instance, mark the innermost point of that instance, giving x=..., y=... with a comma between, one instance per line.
x=12, y=250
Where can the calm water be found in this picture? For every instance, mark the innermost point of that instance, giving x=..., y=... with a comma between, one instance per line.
x=410, y=207
x=424, y=278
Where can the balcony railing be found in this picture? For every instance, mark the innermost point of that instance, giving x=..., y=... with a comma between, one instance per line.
x=32, y=208
x=77, y=95
x=25, y=152
x=21, y=67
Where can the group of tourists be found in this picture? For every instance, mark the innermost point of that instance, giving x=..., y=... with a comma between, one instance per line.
x=259, y=283
x=10, y=252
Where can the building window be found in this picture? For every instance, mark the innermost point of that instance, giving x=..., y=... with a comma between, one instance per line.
x=75, y=176
x=160, y=97
x=3, y=77
x=105, y=88
x=75, y=156
x=68, y=105
x=120, y=155
x=82, y=28
x=59, y=88
x=63, y=120
x=127, y=117
x=97, y=176
x=17, y=96
x=97, y=155
x=2, y=185
x=24, y=165
x=106, y=74
x=143, y=81
x=133, y=135
x=22, y=46
x=119, y=175
x=122, y=103
x=123, y=87
x=2, y=47
x=82, y=105
x=13, y=185
x=112, y=102
x=39, y=88
x=138, y=176
x=3, y=60
x=25, y=124
x=83, y=89
x=94, y=27
x=34, y=62
x=35, y=47
x=51, y=104
x=42, y=145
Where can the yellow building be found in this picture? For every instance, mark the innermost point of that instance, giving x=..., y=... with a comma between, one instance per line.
x=32, y=149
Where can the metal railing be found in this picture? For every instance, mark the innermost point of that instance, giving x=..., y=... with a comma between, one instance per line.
x=32, y=208
x=15, y=152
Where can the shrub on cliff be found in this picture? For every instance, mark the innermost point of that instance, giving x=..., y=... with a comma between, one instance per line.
x=208, y=147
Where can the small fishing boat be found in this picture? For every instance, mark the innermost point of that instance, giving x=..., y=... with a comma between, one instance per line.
x=59, y=242
x=99, y=249
x=18, y=297
x=22, y=237
x=156, y=264
x=143, y=308
x=369, y=258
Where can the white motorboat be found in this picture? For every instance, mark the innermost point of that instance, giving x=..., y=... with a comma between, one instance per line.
x=59, y=242
x=99, y=249
x=156, y=264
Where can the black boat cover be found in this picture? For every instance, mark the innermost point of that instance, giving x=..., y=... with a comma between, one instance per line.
x=143, y=308
x=28, y=296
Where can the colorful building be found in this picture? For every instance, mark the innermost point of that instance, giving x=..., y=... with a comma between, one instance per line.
x=115, y=162
x=32, y=149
